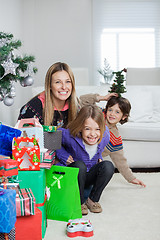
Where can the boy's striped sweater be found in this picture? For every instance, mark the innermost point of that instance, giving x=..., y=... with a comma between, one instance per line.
x=115, y=143
x=114, y=149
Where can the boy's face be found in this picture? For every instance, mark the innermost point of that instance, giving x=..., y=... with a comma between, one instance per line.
x=114, y=114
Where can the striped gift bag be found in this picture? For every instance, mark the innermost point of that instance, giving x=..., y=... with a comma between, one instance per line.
x=25, y=202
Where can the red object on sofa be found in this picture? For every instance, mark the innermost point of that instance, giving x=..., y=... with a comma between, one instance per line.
x=29, y=227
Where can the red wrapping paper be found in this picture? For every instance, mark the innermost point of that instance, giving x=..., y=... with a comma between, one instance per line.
x=8, y=167
x=29, y=227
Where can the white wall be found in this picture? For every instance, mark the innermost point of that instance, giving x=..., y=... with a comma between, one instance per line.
x=51, y=30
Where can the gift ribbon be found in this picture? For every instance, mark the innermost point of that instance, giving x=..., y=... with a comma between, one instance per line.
x=57, y=180
x=42, y=204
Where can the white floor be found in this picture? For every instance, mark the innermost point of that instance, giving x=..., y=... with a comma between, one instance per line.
x=130, y=212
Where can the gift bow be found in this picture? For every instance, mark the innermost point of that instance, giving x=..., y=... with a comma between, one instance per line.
x=49, y=128
x=57, y=180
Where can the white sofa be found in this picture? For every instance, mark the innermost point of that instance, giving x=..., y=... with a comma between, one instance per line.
x=141, y=135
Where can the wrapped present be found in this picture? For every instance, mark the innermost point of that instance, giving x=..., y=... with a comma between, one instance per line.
x=25, y=202
x=13, y=186
x=8, y=167
x=7, y=134
x=29, y=227
x=31, y=127
x=8, y=236
x=49, y=156
x=36, y=180
x=26, y=152
x=7, y=210
x=52, y=137
x=79, y=227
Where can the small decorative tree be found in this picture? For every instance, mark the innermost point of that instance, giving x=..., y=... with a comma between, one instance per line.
x=118, y=85
x=13, y=69
x=106, y=72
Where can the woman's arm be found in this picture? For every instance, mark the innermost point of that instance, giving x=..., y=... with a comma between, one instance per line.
x=32, y=109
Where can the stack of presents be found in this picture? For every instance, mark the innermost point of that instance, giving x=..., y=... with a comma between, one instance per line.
x=32, y=188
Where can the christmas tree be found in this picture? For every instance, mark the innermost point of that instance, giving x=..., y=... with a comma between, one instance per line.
x=118, y=85
x=13, y=69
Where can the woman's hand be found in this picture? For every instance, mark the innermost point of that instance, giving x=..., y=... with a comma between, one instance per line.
x=69, y=160
x=107, y=97
x=138, y=182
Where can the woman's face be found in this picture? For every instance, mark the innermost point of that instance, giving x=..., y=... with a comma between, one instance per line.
x=61, y=86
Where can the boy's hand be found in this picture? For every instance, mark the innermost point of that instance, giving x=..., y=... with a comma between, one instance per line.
x=138, y=182
x=107, y=97
x=69, y=160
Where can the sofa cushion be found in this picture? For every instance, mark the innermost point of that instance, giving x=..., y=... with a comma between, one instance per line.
x=140, y=131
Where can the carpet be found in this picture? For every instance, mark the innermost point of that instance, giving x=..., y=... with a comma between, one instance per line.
x=130, y=212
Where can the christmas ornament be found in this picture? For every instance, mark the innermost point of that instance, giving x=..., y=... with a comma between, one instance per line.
x=13, y=68
x=9, y=67
x=1, y=97
x=27, y=81
x=8, y=101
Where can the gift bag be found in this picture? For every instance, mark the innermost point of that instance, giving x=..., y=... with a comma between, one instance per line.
x=6, y=136
x=52, y=137
x=31, y=127
x=63, y=198
x=26, y=152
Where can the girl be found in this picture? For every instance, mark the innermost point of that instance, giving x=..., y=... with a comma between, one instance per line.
x=82, y=145
x=58, y=104
x=117, y=110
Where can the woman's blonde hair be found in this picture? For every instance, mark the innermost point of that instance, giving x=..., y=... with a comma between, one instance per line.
x=48, y=111
x=86, y=112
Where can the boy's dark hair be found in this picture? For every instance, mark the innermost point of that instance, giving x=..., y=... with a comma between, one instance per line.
x=123, y=104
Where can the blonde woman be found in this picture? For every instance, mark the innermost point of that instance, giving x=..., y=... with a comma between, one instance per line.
x=58, y=104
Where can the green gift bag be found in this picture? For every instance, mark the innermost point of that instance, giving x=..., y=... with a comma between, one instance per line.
x=63, y=198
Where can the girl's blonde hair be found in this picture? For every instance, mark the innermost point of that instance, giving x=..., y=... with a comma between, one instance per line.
x=86, y=112
x=48, y=111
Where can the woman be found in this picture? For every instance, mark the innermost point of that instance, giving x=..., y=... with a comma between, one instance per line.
x=58, y=104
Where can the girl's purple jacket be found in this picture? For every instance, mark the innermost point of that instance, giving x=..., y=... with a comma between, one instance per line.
x=74, y=146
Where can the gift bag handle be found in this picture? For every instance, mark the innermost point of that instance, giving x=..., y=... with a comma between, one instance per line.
x=61, y=173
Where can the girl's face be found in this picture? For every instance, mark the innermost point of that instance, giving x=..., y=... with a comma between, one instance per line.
x=114, y=114
x=90, y=132
x=61, y=86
